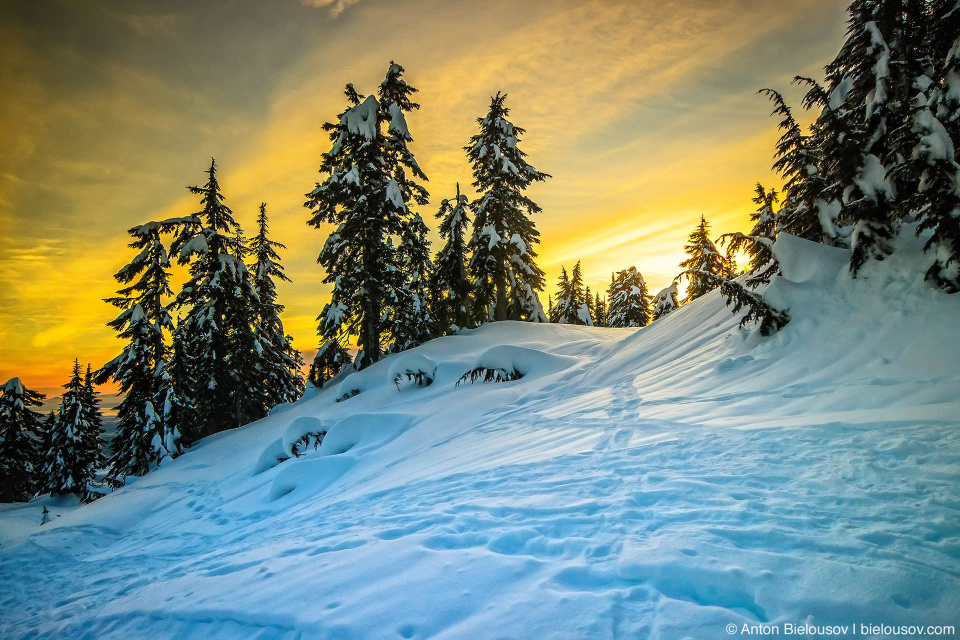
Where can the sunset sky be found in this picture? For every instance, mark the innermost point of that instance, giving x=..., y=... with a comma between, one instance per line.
x=645, y=112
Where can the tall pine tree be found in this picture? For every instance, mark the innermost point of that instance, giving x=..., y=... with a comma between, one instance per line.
x=450, y=289
x=629, y=300
x=279, y=362
x=75, y=442
x=217, y=299
x=372, y=179
x=705, y=267
x=20, y=438
x=505, y=275
x=145, y=433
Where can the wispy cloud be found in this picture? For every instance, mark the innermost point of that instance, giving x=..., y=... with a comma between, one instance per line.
x=336, y=6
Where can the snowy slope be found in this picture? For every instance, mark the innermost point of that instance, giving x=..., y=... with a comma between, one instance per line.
x=653, y=483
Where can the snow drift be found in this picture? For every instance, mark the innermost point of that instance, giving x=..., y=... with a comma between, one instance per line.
x=654, y=483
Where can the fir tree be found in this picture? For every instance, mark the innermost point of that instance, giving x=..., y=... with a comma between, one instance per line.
x=144, y=431
x=867, y=102
x=629, y=300
x=279, y=362
x=217, y=299
x=705, y=267
x=570, y=306
x=587, y=311
x=450, y=289
x=331, y=359
x=371, y=181
x=759, y=242
x=506, y=278
x=558, y=308
x=797, y=161
x=665, y=302
x=76, y=442
x=20, y=439
x=412, y=321
x=600, y=312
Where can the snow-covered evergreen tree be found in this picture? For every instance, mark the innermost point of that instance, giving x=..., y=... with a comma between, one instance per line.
x=665, y=301
x=505, y=276
x=705, y=267
x=629, y=300
x=866, y=103
x=76, y=441
x=571, y=305
x=600, y=318
x=279, y=362
x=759, y=242
x=143, y=429
x=797, y=161
x=450, y=289
x=412, y=320
x=372, y=179
x=217, y=299
x=20, y=439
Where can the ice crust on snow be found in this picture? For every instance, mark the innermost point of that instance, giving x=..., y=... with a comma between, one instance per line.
x=660, y=483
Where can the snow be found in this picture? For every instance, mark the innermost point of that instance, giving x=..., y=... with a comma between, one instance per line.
x=655, y=483
x=362, y=119
x=839, y=95
x=398, y=123
x=872, y=179
x=393, y=195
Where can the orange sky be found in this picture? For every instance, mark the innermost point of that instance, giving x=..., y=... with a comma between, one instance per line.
x=644, y=112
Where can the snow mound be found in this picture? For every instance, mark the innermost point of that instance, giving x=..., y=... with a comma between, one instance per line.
x=412, y=369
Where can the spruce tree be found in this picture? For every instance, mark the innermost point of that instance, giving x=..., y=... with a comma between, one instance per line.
x=565, y=298
x=20, y=438
x=798, y=162
x=665, y=302
x=279, y=362
x=145, y=435
x=759, y=242
x=867, y=103
x=412, y=320
x=600, y=312
x=629, y=300
x=76, y=441
x=571, y=305
x=217, y=299
x=705, y=267
x=450, y=289
x=372, y=179
x=506, y=278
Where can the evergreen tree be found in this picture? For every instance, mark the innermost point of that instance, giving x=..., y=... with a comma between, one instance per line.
x=587, y=310
x=280, y=363
x=570, y=306
x=600, y=312
x=330, y=360
x=413, y=323
x=144, y=431
x=798, y=162
x=705, y=267
x=450, y=289
x=759, y=242
x=867, y=103
x=76, y=442
x=505, y=275
x=366, y=197
x=20, y=439
x=665, y=302
x=629, y=300
x=217, y=298
x=559, y=309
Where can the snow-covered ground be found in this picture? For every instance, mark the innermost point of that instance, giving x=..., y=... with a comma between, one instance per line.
x=655, y=483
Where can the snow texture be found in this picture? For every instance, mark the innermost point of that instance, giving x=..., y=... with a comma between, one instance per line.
x=655, y=483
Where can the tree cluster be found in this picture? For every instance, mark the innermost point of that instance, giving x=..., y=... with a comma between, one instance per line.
x=389, y=294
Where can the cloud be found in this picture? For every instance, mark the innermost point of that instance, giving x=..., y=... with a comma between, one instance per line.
x=336, y=6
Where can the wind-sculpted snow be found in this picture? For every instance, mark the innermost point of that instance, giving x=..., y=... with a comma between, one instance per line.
x=656, y=483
